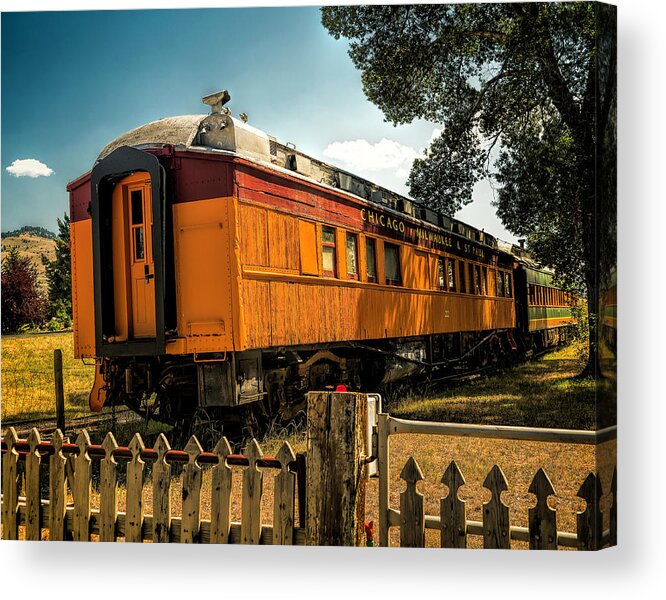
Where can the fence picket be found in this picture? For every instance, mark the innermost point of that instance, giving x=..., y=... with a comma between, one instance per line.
x=613, y=510
x=588, y=522
x=283, y=501
x=191, y=489
x=412, y=520
x=57, y=490
x=452, y=510
x=10, y=488
x=161, y=489
x=495, y=513
x=134, y=501
x=82, y=488
x=33, y=496
x=542, y=518
x=252, y=490
x=220, y=518
x=108, y=491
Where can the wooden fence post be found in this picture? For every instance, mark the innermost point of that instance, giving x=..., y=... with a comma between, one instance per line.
x=252, y=490
x=283, y=501
x=588, y=522
x=57, y=490
x=412, y=518
x=191, y=494
x=161, y=492
x=33, y=497
x=10, y=488
x=383, y=465
x=59, y=389
x=134, y=502
x=82, y=488
x=453, y=518
x=108, y=488
x=222, y=479
x=335, y=471
x=496, y=526
x=542, y=518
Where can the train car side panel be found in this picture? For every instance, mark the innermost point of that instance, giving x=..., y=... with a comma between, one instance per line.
x=204, y=274
x=80, y=233
x=82, y=288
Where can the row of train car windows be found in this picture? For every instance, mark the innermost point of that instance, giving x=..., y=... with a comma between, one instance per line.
x=453, y=275
x=546, y=296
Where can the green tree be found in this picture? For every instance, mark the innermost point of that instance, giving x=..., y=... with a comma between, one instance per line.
x=527, y=97
x=59, y=276
x=22, y=302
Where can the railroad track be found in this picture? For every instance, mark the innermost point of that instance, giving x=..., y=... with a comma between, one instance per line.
x=91, y=422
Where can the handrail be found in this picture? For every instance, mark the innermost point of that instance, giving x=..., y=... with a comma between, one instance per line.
x=503, y=432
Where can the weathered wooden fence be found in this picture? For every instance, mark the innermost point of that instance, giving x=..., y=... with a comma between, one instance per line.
x=331, y=486
x=496, y=528
x=78, y=521
x=334, y=492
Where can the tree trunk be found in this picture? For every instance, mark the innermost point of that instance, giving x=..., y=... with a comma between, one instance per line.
x=592, y=366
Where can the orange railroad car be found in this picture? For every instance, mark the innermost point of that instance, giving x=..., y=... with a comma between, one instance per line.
x=218, y=272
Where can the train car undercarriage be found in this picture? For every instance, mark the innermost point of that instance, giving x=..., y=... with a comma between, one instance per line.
x=244, y=392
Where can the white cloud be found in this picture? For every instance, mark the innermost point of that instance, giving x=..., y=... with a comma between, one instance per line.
x=29, y=167
x=360, y=155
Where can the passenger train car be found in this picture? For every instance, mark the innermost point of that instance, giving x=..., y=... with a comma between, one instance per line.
x=215, y=269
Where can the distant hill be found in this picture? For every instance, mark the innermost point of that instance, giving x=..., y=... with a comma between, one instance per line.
x=32, y=230
x=32, y=242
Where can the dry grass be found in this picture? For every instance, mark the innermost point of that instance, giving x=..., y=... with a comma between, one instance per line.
x=27, y=376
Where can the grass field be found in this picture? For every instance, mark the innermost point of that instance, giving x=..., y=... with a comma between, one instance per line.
x=540, y=393
x=27, y=376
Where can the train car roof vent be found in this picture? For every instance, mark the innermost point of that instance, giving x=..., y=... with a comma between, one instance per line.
x=216, y=101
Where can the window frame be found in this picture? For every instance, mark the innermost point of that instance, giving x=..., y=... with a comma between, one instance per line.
x=442, y=273
x=451, y=274
x=394, y=282
x=462, y=276
x=333, y=245
x=370, y=241
x=351, y=236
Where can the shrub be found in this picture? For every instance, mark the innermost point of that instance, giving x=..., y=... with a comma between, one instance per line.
x=22, y=302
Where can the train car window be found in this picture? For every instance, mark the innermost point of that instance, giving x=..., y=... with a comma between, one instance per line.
x=137, y=207
x=392, y=264
x=500, y=283
x=450, y=270
x=370, y=259
x=462, y=279
x=484, y=281
x=138, y=243
x=352, y=256
x=507, y=285
x=328, y=252
x=477, y=278
x=440, y=273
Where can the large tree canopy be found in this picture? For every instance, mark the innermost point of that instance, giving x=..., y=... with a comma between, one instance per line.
x=526, y=94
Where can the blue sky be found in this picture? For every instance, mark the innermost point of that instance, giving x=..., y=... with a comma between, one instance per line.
x=72, y=81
